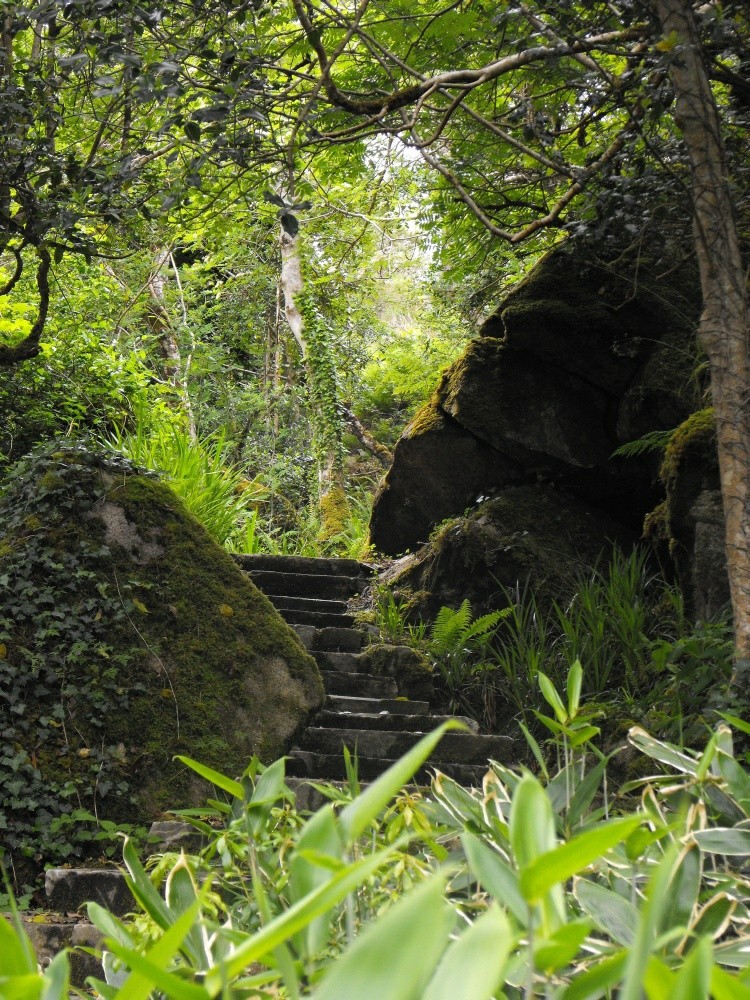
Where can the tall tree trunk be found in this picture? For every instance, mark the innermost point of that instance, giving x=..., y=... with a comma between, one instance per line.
x=724, y=330
x=331, y=487
x=160, y=324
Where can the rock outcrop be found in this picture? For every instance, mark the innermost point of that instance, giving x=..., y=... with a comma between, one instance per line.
x=127, y=636
x=583, y=356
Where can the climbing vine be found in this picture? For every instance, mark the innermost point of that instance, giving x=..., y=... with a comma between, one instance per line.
x=60, y=677
x=323, y=386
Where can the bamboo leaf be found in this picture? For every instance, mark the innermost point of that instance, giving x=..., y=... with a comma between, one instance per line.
x=413, y=935
x=473, y=965
x=233, y=788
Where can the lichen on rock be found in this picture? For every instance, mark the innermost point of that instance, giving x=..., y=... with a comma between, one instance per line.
x=129, y=636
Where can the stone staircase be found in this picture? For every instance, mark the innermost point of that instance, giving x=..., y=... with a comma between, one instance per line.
x=363, y=711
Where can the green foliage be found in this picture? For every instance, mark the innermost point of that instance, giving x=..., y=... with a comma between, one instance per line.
x=528, y=887
x=198, y=471
x=460, y=648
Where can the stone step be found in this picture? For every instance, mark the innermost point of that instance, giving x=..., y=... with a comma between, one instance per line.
x=69, y=889
x=336, y=682
x=396, y=706
x=330, y=767
x=453, y=748
x=388, y=721
x=310, y=604
x=337, y=640
x=348, y=663
x=306, y=566
x=318, y=619
x=316, y=585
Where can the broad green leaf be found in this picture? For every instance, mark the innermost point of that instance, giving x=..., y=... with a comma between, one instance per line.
x=561, y=947
x=16, y=951
x=734, y=953
x=535, y=749
x=658, y=980
x=473, y=965
x=532, y=834
x=574, y=856
x=577, y=736
x=291, y=921
x=684, y=887
x=651, y=911
x=595, y=981
x=57, y=978
x=737, y=779
x=724, y=840
x=585, y=792
x=109, y=925
x=495, y=876
x=714, y=916
x=139, y=984
x=148, y=974
x=552, y=698
x=233, y=788
x=727, y=987
x=319, y=838
x=269, y=788
x=736, y=721
x=395, y=956
x=357, y=816
x=21, y=987
x=532, y=823
x=575, y=680
x=611, y=913
x=142, y=888
x=693, y=980
x=664, y=752
x=181, y=893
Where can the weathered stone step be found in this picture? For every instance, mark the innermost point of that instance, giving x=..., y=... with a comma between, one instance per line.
x=317, y=585
x=311, y=604
x=319, y=619
x=69, y=889
x=330, y=767
x=396, y=706
x=337, y=640
x=388, y=721
x=453, y=748
x=348, y=663
x=336, y=682
x=305, y=565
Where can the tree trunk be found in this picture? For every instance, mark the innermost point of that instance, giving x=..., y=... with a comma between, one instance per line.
x=160, y=325
x=332, y=500
x=724, y=328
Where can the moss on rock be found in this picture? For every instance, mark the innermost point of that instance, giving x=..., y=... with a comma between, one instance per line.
x=130, y=637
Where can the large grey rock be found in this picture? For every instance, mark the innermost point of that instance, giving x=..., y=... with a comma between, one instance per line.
x=69, y=889
x=582, y=357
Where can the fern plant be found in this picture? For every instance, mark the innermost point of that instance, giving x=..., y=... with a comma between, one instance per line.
x=460, y=648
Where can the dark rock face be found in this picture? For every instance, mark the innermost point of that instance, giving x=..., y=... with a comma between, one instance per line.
x=582, y=357
x=535, y=535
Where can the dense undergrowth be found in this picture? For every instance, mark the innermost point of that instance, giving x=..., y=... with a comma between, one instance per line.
x=558, y=886
x=646, y=661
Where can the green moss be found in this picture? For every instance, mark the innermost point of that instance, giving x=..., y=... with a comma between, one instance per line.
x=428, y=417
x=411, y=670
x=698, y=434
x=334, y=511
x=131, y=637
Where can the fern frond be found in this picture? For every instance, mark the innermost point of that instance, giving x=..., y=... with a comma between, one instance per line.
x=449, y=626
x=653, y=441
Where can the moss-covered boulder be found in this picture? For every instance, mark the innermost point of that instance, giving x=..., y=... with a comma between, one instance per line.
x=126, y=636
x=536, y=536
x=583, y=356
